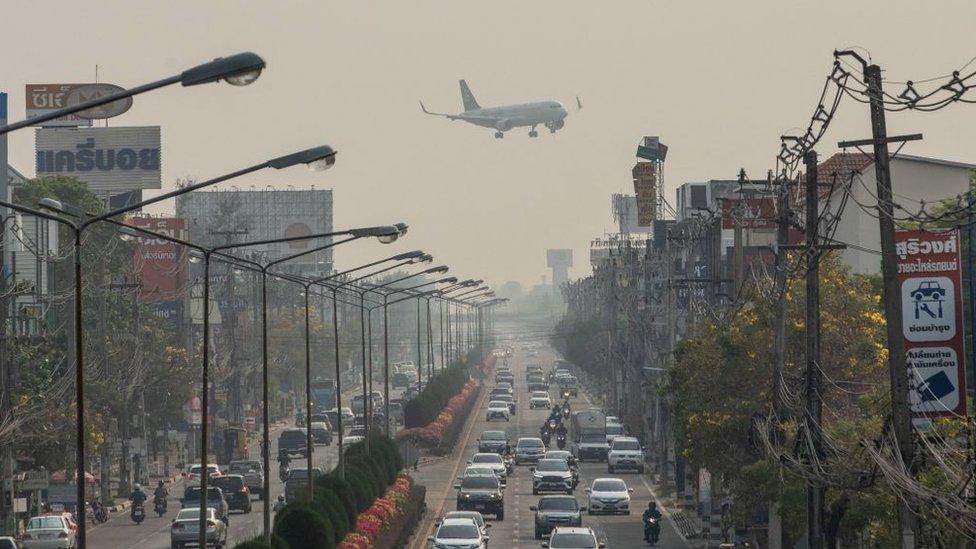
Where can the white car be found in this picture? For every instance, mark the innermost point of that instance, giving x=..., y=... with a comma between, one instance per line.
x=498, y=409
x=475, y=517
x=614, y=430
x=49, y=531
x=625, y=453
x=349, y=440
x=458, y=533
x=563, y=537
x=193, y=474
x=495, y=461
x=609, y=495
x=540, y=399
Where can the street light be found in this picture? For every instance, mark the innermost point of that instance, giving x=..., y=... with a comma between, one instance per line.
x=77, y=228
x=238, y=70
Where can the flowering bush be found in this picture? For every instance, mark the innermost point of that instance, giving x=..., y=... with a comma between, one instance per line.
x=371, y=521
x=433, y=433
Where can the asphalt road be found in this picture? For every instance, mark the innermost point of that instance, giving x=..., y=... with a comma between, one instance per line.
x=154, y=532
x=518, y=527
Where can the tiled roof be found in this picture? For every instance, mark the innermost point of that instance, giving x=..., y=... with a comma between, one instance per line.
x=840, y=166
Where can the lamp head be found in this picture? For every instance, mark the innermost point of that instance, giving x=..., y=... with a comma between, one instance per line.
x=415, y=255
x=237, y=70
x=385, y=234
x=448, y=280
x=317, y=159
x=470, y=283
x=128, y=233
x=402, y=227
x=437, y=270
x=194, y=256
x=426, y=259
x=52, y=205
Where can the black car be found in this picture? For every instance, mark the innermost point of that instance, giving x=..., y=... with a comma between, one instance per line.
x=235, y=492
x=482, y=494
x=292, y=441
x=553, y=511
x=321, y=434
x=493, y=441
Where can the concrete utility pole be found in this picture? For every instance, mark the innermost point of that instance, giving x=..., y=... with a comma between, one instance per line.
x=901, y=418
x=229, y=321
x=814, y=399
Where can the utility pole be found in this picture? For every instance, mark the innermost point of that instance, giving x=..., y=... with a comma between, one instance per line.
x=779, y=336
x=229, y=321
x=814, y=402
x=738, y=261
x=897, y=362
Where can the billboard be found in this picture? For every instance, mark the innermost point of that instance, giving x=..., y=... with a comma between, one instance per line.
x=929, y=268
x=160, y=264
x=751, y=213
x=645, y=187
x=110, y=160
x=45, y=98
x=652, y=149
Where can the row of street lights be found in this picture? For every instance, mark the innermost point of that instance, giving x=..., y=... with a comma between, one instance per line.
x=240, y=70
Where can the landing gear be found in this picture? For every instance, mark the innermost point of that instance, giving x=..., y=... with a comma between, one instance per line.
x=499, y=135
x=533, y=133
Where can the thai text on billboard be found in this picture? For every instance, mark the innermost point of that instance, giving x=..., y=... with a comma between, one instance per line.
x=750, y=213
x=109, y=160
x=45, y=98
x=160, y=263
x=931, y=300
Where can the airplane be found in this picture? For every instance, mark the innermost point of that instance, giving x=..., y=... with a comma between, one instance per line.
x=550, y=114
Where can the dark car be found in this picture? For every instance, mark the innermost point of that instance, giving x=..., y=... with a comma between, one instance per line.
x=235, y=492
x=532, y=387
x=493, y=441
x=553, y=511
x=215, y=499
x=297, y=483
x=292, y=441
x=321, y=434
x=482, y=494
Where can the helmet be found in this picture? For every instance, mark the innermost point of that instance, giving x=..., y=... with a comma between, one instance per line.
x=160, y=484
x=138, y=487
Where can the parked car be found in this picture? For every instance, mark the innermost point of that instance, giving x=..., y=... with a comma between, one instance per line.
x=497, y=410
x=292, y=441
x=185, y=528
x=484, y=494
x=529, y=450
x=625, y=453
x=215, y=500
x=253, y=472
x=459, y=532
x=553, y=511
x=493, y=441
x=574, y=538
x=235, y=492
x=50, y=530
x=609, y=496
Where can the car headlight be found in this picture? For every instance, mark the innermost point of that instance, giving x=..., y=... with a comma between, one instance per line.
x=467, y=496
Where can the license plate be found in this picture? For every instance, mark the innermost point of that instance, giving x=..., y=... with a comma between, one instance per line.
x=479, y=506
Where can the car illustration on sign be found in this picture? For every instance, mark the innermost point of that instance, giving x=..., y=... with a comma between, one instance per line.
x=928, y=289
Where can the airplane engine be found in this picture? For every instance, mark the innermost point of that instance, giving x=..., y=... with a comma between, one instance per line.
x=503, y=125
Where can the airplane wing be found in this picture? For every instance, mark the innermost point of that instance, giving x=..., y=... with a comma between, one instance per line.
x=445, y=115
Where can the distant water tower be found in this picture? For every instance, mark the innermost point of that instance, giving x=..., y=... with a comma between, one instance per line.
x=559, y=261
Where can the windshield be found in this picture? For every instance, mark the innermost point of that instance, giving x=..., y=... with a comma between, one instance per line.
x=487, y=458
x=558, y=504
x=497, y=404
x=244, y=466
x=193, y=493
x=615, y=429
x=463, y=531
x=473, y=515
x=593, y=437
x=609, y=485
x=530, y=443
x=493, y=435
x=539, y=394
x=479, y=483
x=552, y=465
x=582, y=541
x=558, y=454
x=45, y=522
x=626, y=445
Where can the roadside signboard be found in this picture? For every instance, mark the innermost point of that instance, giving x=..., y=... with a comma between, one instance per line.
x=751, y=213
x=929, y=268
x=44, y=98
x=91, y=92
x=645, y=187
x=110, y=160
x=35, y=480
x=160, y=263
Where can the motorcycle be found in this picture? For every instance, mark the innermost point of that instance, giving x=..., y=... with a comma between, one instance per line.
x=159, y=505
x=561, y=440
x=652, y=530
x=566, y=411
x=552, y=424
x=283, y=471
x=98, y=513
x=509, y=463
x=138, y=513
x=546, y=437
x=565, y=393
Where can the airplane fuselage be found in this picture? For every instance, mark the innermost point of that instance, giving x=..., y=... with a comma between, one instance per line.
x=504, y=118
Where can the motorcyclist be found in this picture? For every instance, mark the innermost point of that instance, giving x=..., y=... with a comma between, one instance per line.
x=561, y=431
x=280, y=504
x=283, y=457
x=137, y=497
x=652, y=531
x=160, y=495
x=556, y=413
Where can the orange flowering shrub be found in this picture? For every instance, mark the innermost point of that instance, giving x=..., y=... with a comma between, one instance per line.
x=432, y=434
x=370, y=522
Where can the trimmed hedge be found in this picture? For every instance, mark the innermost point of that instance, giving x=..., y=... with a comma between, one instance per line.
x=460, y=419
x=424, y=409
x=398, y=532
x=257, y=542
x=303, y=528
x=331, y=509
x=343, y=490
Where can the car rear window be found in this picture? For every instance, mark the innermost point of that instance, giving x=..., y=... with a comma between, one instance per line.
x=38, y=523
x=480, y=483
x=493, y=435
x=576, y=541
x=530, y=443
x=229, y=483
x=487, y=458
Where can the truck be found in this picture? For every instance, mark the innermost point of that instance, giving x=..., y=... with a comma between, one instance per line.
x=588, y=435
x=324, y=393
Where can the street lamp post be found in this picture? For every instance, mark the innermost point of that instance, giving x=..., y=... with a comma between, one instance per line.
x=239, y=70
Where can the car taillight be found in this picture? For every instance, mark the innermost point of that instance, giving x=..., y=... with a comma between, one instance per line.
x=244, y=490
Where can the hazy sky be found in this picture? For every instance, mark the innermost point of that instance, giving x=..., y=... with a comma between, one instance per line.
x=718, y=81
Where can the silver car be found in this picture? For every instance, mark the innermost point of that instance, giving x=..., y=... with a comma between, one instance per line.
x=186, y=529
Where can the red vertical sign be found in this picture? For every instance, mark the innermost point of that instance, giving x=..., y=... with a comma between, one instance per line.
x=160, y=263
x=929, y=267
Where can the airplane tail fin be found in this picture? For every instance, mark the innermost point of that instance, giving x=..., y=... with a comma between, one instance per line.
x=470, y=103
